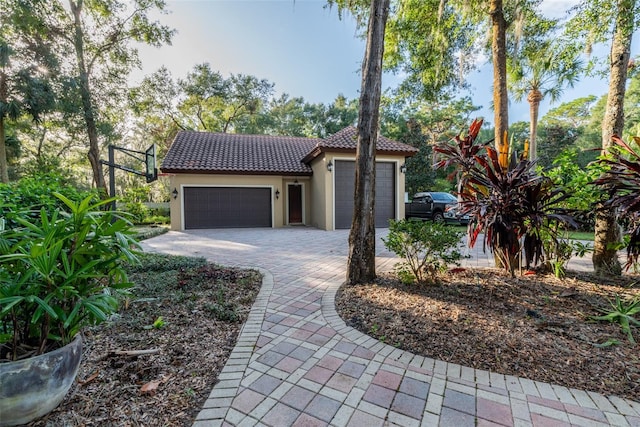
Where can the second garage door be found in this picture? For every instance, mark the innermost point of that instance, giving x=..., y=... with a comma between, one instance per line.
x=345, y=176
x=227, y=207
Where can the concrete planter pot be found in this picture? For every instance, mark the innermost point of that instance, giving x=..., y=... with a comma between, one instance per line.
x=33, y=387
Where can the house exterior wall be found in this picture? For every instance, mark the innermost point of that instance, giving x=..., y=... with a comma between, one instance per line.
x=318, y=191
x=323, y=185
x=276, y=183
x=320, y=184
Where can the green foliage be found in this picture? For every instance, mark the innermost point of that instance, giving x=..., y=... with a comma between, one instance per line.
x=217, y=104
x=622, y=183
x=159, y=323
x=427, y=248
x=144, y=232
x=504, y=197
x=422, y=125
x=61, y=271
x=430, y=45
x=28, y=196
x=223, y=311
x=623, y=313
x=156, y=219
x=137, y=210
x=558, y=250
x=575, y=179
x=160, y=263
x=575, y=125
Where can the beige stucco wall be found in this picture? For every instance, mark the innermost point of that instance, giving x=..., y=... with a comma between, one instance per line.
x=322, y=203
x=317, y=191
x=321, y=183
x=275, y=183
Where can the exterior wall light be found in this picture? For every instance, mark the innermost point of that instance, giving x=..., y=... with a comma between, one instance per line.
x=175, y=193
x=330, y=166
x=403, y=168
x=277, y=194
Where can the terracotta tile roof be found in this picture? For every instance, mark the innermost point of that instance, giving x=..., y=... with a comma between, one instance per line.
x=347, y=140
x=238, y=154
x=206, y=152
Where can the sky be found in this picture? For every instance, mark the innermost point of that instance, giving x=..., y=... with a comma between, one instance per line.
x=303, y=47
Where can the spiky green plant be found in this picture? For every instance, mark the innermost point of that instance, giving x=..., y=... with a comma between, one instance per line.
x=622, y=312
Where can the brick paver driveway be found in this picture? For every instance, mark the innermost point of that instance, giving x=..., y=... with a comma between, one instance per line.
x=297, y=363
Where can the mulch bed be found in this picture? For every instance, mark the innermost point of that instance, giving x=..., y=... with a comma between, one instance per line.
x=194, y=333
x=536, y=327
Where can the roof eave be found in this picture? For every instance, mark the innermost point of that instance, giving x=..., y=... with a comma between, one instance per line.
x=234, y=172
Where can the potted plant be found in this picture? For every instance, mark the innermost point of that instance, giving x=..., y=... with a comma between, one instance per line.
x=59, y=271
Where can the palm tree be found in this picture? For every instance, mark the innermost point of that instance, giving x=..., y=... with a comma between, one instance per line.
x=540, y=74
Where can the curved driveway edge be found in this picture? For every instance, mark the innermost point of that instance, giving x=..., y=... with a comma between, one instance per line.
x=297, y=363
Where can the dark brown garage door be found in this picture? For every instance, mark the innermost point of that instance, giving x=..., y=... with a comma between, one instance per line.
x=345, y=185
x=226, y=207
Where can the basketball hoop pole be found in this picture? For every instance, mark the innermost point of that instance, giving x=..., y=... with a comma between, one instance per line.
x=112, y=177
x=149, y=159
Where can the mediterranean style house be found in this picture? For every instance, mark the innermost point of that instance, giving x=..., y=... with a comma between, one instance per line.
x=221, y=180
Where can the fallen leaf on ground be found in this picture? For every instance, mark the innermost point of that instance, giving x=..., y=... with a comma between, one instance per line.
x=150, y=387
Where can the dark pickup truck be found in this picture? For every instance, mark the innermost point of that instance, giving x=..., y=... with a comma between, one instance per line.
x=436, y=206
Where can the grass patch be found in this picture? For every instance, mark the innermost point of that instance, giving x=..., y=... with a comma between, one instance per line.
x=581, y=235
x=576, y=235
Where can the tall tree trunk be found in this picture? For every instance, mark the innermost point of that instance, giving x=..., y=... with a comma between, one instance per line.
x=500, y=94
x=605, y=257
x=4, y=168
x=361, y=265
x=534, y=98
x=87, y=103
x=499, y=58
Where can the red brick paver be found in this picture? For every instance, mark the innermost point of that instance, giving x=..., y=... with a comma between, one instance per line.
x=297, y=363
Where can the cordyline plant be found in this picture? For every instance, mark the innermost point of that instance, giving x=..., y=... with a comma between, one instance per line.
x=461, y=153
x=506, y=200
x=622, y=183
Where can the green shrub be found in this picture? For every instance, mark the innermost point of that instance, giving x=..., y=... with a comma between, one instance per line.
x=558, y=250
x=426, y=247
x=137, y=210
x=27, y=197
x=60, y=272
x=574, y=179
x=156, y=219
x=143, y=232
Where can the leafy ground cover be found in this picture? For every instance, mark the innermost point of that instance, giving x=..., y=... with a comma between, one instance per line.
x=183, y=318
x=538, y=327
x=142, y=232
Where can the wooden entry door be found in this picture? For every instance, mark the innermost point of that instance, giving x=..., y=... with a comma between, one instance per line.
x=295, y=203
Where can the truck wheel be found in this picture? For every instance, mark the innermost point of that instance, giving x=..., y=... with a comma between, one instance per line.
x=437, y=217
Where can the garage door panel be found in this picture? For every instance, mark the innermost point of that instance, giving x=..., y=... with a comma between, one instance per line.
x=385, y=203
x=345, y=177
x=227, y=207
x=385, y=193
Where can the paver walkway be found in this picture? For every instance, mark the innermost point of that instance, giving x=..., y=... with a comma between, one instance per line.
x=297, y=363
